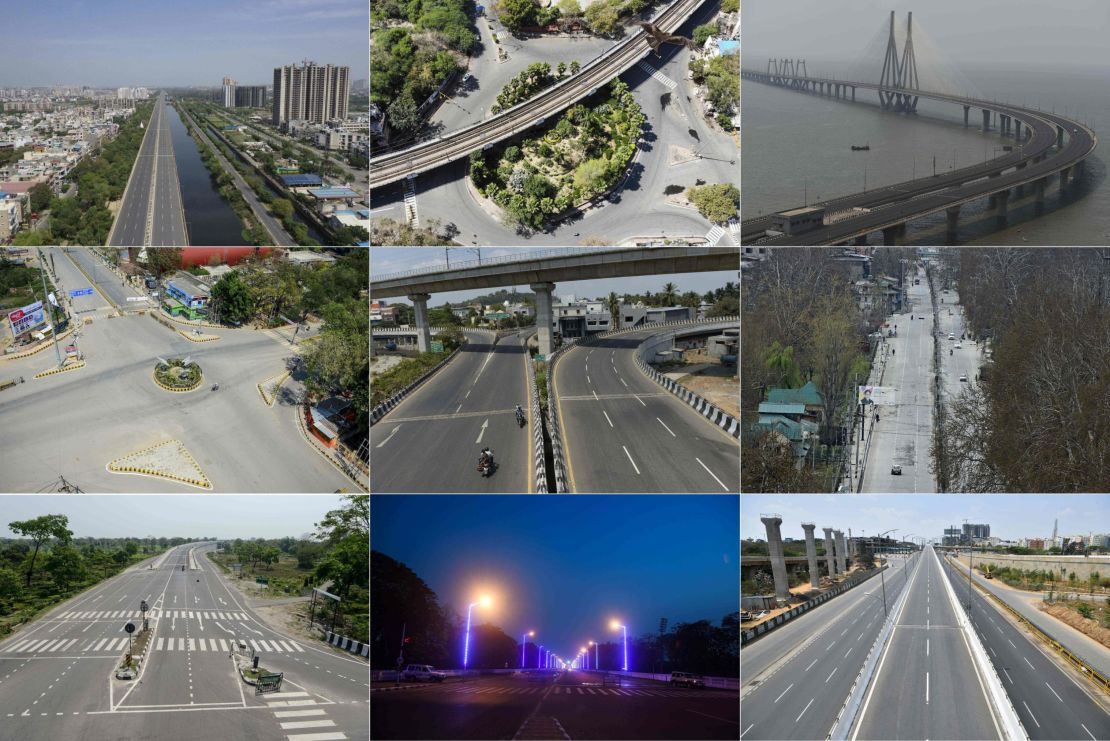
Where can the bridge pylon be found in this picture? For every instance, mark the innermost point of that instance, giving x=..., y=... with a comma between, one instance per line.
x=899, y=73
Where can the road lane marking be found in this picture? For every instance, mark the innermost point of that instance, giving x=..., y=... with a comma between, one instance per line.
x=926, y=688
x=1046, y=684
x=847, y=652
x=1027, y=662
x=1088, y=732
x=753, y=724
x=926, y=646
x=1008, y=675
x=483, y=432
x=607, y=418
x=595, y=397
x=811, y=665
x=712, y=474
x=831, y=675
x=631, y=461
x=297, y=713
x=642, y=402
x=804, y=710
x=1031, y=714
x=321, y=723
x=784, y=692
x=588, y=379
x=458, y=408
x=668, y=429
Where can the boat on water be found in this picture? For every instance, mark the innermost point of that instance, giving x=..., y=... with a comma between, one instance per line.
x=864, y=148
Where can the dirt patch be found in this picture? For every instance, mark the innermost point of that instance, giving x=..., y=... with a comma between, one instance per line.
x=1086, y=626
x=291, y=618
x=718, y=385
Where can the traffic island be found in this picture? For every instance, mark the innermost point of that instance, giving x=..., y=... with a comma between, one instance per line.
x=130, y=665
x=196, y=336
x=269, y=387
x=178, y=377
x=168, y=459
x=67, y=366
x=250, y=671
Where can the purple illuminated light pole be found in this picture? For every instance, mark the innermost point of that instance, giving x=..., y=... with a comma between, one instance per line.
x=484, y=602
x=523, y=643
x=614, y=625
x=595, y=654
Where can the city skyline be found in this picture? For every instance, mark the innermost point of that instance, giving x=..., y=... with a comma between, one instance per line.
x=1010, y=517
x=191, y=44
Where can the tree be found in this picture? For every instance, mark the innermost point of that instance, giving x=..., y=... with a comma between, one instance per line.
x=163, y=260
x=669, y=295
x=40, y=530
x=591, y=175
x=516, y=14
x=703, y=32
x=718, y=202
x=730, y=6
x=602, y=16
x=352, y=518
x=614, y=305
x=561, y=69
x=347, y=564
x=10, y=588
x=65, y=566
x=404, y=116
x=34, y=238
x=282, y=208
x=569, y=8
x=40, y=196
x=575, y=67
x=232, y=298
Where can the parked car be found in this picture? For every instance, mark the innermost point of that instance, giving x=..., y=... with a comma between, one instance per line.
x=951, y=336
x=957, y=346
x=423, y=673
x=963, y=377
x=686, y=679
x=895, y=470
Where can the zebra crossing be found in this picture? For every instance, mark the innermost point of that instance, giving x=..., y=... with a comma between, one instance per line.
x=715, y=234
x=734, y=227
x=657, y=75
x=67, y=645
x=137, y=615
x=294, y=712
x=173, y=643
x=585, y=691
x=410, y=200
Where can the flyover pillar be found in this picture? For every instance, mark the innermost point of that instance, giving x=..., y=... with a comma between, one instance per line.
x=841, y=552
x=1064, y=178
x=423, y=332
x=986, y=119
x=1001, y=198
x=1038, y=190
x=811, y=556
x=953, y=214
x=1017, y=129
x=1060, y=136
x=778, y=559
x=830, y=557
x=543, y=317
x=967, y=110
x=894, y=235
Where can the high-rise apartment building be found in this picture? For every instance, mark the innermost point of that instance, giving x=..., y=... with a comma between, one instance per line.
x=229, y=92
x=250, y=96
x=311, y=92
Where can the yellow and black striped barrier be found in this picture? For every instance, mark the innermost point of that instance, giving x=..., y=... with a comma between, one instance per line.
x=63, y=369
x=175, y=390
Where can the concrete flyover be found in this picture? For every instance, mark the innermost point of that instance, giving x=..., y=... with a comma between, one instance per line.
x=541, y=270
x=1050, y=145
x=152, y=212
x=428, y=155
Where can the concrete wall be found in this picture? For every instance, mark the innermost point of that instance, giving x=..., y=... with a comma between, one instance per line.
x=1083, y=567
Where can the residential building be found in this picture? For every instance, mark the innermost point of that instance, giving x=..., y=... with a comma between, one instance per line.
x=11, y=216
x=574, y=318
x=975, y=532
x=250, y=96
x=1035, y=544
x=229, y=92
x=636, y=316
x=311, y=92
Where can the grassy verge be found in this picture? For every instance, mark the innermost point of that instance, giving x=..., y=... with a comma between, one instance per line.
x=401, y=375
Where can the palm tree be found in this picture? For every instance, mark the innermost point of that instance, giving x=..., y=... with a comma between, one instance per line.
x=614, y=305
x=669, y=294
x=574, y=67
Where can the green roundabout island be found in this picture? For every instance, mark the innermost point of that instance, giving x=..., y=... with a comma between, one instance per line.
x=178, y=375
x=577, y=158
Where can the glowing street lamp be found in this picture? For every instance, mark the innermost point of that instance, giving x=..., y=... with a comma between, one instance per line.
x=484, y=602
x=523, y=642
x=613, y=625
x=595, y=654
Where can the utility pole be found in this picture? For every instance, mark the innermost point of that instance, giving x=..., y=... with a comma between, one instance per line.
x=50, y=311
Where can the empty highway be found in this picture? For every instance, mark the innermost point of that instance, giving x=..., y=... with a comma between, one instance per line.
x=570, y=705
x=624, y=432
x=430, y=442
x=57, y=670
x=1048, y=697
x=152, y=212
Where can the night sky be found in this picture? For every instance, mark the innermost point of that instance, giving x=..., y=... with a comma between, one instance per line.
x=565, y=565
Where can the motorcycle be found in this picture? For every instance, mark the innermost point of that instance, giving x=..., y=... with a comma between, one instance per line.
x=215, y=387
x=520, y=420
x=486, y=464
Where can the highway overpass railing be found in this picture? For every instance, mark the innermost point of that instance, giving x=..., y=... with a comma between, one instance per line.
x=724, y=683
x=539, y=460
x=558, y=454
x=520, y=257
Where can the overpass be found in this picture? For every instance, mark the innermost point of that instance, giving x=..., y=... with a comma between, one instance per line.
x=1050, y=145
x=432, y=153
x=541, y=270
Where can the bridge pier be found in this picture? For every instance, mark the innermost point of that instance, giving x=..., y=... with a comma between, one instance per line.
x=860, y=241
x=1060, y=137
x=1001, y=198
x=1064, y=178
x=1038, y=191
x=853, y=93
x=967, y=110
x=543, y=316
x=1017, y=129
x=420, y=309
x=894, y=235
x=986, y=119
x=953, y=215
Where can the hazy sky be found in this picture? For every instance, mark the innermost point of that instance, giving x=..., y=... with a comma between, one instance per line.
x=1072, y=32
x=566, y=566
x=385, y=260
x=186, y=516
x=113, y=43
x=1010, y=516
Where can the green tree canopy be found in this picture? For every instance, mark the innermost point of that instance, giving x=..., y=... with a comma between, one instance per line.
x=40, y=530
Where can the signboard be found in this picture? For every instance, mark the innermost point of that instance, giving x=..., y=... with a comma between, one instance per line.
x=436, y=346
x=81, y=292
x=130, y=627
x=878, y=395
x=27, y=318
x=137, y=298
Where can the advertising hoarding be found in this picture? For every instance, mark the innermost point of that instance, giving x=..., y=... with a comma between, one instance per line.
x=27, y=318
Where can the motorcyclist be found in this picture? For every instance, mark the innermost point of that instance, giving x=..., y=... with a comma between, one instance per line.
x=485, y=460
x=519, y=414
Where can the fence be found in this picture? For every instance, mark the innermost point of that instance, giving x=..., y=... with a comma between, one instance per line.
x=538, y=457
x=348, y=644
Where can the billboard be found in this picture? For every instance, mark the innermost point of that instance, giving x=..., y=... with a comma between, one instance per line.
x=27, y=318
x=878, y=395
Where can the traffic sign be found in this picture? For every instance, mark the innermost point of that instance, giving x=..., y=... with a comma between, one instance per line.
x=130, y=627
x=81, y=292
x=436, y=346
x=143, y=607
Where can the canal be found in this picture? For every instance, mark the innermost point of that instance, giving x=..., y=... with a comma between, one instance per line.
x=209, y=219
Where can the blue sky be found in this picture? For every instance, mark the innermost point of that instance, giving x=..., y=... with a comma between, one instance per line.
x=1010, y=516
x=186, y=515
x=564, y=566
x=113, y=43
x=386, y=260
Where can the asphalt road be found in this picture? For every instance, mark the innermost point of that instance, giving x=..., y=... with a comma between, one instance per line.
x=956, y=362
x=57, y=670
x=622, y=432
x=904, y=433
x=639, y=208
x=797, y=677
x=73, y=424
x=431, y=441
x=575, y=705
x=1049, y=701
x=926, y=684
x=160, y=205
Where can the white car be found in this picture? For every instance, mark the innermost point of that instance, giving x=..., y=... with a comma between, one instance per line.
x=423, y=673
x=951, y=336
x=958, y=346
x=963, y=378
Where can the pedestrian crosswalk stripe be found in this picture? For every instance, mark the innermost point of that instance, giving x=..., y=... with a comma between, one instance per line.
x=321, y=723
x=715, y=234
x=318, y=737
x=265, y=646
x=297, y=713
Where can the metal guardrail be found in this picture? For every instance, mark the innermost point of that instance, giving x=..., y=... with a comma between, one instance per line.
x=539, y=463
x=503, y=259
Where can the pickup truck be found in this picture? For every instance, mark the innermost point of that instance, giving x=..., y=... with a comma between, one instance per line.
x=423, y=673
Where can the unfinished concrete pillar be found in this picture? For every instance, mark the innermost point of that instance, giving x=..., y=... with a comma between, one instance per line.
x=811, y=555
x=841, y=551
x=830, y=558
x=778, y=559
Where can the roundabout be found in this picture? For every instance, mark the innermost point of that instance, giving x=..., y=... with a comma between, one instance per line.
x=177, y=375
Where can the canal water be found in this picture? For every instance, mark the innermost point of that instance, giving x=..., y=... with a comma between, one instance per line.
x=209, y=219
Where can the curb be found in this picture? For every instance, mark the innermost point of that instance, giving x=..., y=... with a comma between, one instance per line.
x=283, y=376
x=176, y=391
x=322, y=454
x=191, y=338
x=40, y=348
x=199, y=483
x=75, y=366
